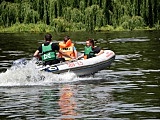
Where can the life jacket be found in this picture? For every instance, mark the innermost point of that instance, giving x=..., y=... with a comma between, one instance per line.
x=67, y=44
x=88, y=52
x=67, y=48
x=47, y=53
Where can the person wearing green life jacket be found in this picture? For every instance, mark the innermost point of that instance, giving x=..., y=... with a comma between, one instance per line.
x=47, y=52
x=90, y=50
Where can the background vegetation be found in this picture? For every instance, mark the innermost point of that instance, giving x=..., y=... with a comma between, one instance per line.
x=74, y=15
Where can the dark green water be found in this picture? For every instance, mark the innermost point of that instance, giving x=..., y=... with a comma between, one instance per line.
x=129, y=89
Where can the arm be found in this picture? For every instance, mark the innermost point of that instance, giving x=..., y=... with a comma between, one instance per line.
x=36, y=54
x=65, y=54
x=101, y=52
x=98, y=51
x=81, y=56
x=75, y=52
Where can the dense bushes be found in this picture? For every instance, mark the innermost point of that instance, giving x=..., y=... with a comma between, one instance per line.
x=74, y=15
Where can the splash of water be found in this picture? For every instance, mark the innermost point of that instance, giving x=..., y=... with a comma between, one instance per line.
x=28, y=75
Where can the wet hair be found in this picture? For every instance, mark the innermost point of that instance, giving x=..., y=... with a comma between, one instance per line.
x=48, y=37
x=91, y=41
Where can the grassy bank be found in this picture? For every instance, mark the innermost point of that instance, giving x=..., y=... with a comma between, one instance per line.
x=40, y=28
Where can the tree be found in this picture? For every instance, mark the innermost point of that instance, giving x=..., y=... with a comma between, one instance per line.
x=107, y=9
x=150, y=14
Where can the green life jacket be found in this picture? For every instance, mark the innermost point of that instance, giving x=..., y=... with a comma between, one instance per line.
x=47, y=53
x=89, y=52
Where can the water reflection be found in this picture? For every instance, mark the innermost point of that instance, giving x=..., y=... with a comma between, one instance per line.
x=67, y=102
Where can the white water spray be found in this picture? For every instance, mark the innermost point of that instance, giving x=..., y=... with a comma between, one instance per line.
x=28, y=75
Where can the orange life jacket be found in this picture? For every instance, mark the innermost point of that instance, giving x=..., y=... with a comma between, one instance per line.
x=67, y=48
x=67, y=44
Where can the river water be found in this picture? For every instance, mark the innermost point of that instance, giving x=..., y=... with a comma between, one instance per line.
x=129, y=89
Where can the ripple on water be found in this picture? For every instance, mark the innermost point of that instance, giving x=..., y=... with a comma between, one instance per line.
x=120, y=73
x=2, y=56
x=151, y=70
x=14, y=53
x=127, y=57
x=123, y=108
x=129, y=40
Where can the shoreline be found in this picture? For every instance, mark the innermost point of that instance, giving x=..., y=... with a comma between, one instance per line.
x=42, y=28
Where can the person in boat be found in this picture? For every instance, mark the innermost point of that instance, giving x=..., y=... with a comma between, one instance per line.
x=47, y=52
x=67, y=47
x=90, y=50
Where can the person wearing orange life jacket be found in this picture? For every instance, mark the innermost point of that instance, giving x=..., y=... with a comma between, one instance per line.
x=47, y=52
x=90, y=50
x=67, y=47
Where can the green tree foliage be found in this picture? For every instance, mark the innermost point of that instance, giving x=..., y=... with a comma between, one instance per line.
x=107, y=11
x=64, y=15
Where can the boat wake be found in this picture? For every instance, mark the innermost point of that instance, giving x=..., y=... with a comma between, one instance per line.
x=25, y=73
x=28, y=75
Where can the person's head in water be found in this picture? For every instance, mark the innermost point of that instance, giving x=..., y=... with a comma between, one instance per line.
x=48, y=37
x=66, y=38
x=90, y=42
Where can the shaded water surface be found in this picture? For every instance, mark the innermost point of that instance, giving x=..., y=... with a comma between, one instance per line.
x=129, y=89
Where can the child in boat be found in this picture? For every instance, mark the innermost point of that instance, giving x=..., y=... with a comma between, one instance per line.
x=67, y=47
x=90, y=50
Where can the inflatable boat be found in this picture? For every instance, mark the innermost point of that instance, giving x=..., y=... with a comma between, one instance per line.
x=79, y=67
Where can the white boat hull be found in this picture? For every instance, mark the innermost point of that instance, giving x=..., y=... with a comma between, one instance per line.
x=83, y=67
